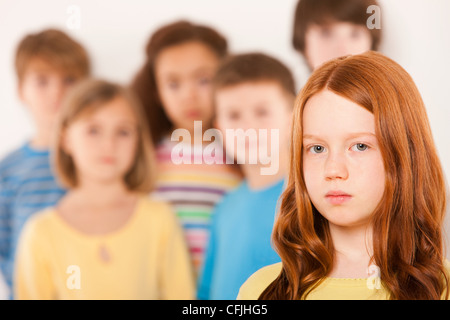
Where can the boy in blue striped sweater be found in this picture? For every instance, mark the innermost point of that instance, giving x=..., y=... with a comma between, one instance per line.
x=47, y=64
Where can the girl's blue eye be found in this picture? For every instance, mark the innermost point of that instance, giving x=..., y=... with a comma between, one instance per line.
x=317, y=149
x=360, y=147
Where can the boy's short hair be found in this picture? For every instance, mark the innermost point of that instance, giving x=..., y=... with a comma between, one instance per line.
x=323, y=12
x=87, y=96
x=253, y=67
x=56, y=48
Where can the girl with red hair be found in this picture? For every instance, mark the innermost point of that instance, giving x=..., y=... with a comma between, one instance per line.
x=362, y=214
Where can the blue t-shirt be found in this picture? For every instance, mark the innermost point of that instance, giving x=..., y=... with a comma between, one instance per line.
x=240, y=240
x=27, y=185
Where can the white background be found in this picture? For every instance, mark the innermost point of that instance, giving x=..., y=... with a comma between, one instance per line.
x=416, y=34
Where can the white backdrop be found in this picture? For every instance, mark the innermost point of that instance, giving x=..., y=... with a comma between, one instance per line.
x=416, y=34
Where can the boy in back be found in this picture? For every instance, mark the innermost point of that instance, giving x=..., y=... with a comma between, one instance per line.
x=47, y=64
x=327, y=29
x=254, y=94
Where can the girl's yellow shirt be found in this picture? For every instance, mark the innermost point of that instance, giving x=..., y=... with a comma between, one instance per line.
x=329, y=289
x=146, y=259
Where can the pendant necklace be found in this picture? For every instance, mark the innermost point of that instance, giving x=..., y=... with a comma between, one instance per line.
x=103, y=253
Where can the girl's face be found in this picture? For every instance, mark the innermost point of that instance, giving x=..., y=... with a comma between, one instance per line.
x=103, y=143
x=183, y=75
x=342, y=163
x=326, y=42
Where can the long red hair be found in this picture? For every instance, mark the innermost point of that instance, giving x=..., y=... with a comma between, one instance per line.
x=407, y=224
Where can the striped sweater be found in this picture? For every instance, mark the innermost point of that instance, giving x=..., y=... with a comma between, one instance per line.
x=27, y=185
x=193, y=190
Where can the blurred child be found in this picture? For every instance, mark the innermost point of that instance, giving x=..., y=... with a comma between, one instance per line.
x=327, y=29
x=362, y=213
x=253, y=92
x=47, y=64
x=174, y=86
x=105, y=239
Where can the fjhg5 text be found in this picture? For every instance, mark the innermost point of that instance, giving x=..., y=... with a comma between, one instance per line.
x=231, y=309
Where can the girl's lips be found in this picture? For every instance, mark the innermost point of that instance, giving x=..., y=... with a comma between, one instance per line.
x=338, y=197
x=193, y=114
x=108, y=160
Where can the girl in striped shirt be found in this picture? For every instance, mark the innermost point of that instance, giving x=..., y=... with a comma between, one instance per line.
x=175, y=87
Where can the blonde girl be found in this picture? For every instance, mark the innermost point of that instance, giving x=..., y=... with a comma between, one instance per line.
x=105, y=239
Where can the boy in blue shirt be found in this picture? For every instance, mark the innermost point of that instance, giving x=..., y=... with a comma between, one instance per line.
x=254, y=93
x=47, y=64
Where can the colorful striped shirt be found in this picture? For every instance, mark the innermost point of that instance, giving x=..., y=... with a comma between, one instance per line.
x=193, y=190
x=27, y=185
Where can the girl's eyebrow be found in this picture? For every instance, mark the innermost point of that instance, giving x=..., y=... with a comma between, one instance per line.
x=127, y=123
x=200, y=69
x=170, y=76
x=349, y=136
x=93, y=120
x=203, y=69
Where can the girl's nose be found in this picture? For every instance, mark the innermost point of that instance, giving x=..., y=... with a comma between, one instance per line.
x=190, y=92
x=109, y=143
x=336, y=167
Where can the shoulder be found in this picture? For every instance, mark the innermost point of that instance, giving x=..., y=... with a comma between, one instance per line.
x=39, y=225
x=25, y=163
x=12, y=158
x=42, y=219
x=153, y=204
x=258, y=281
x=447, y=274
x=158, y=216
x=156, y=209
x=238, y=191
x=231, y=198
x=447, y=267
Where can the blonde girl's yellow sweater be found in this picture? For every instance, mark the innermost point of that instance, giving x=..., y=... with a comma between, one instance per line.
x=145, y=259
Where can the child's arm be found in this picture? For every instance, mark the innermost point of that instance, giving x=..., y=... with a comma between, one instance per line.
x=177, y=277
x=32, y=276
